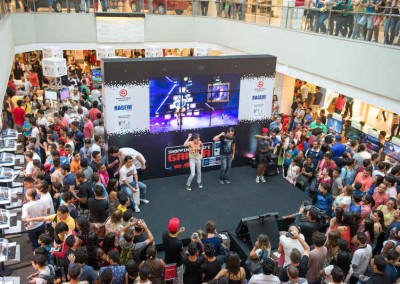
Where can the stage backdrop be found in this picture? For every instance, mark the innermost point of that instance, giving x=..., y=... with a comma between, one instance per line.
x=152, y=104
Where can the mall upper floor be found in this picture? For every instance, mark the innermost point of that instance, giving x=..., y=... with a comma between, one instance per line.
x=367, y=70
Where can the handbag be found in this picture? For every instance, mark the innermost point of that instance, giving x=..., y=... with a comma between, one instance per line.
x=101, y=230
x=302, y=180
x=254, y=265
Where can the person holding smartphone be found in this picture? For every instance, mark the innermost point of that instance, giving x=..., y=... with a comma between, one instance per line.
x=195, y=155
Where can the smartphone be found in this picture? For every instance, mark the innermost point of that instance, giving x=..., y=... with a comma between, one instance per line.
x=195, y=235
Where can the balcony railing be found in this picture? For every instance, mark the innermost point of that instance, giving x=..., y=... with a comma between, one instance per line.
x=361, y=20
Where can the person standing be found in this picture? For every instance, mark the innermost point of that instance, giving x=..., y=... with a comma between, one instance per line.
x=32, y=209
x=19, y=116
x=173, y=247
x=195, y=155
x=316, y=101
x=264, y=146
x=227, y=153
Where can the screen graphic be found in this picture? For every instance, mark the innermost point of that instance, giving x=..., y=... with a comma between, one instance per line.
x=187, y=102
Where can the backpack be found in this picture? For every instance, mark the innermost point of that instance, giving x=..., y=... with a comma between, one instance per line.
x=126, y=255
x=50, y=279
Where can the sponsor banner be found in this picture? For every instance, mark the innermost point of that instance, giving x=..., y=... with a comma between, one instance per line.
x=255, y=98
x=126, y=108
x=177, y=157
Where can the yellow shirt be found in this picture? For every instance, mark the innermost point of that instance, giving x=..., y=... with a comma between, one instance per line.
x=70, y=223
x=122, y=208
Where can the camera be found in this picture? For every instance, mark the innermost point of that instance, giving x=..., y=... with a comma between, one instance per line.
x=289, y=234
x=139, y=223
x=195, y=235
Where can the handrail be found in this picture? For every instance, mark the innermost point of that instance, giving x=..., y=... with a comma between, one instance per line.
x=362, y=23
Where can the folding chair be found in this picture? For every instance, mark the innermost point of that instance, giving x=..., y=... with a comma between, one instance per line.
x=169, y=272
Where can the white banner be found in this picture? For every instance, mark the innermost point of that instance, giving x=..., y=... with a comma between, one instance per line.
x=256, y=96
x=126, y=108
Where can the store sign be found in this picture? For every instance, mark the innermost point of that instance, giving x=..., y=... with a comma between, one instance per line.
x=177, y=157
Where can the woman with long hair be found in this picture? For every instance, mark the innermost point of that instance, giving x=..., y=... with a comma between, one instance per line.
x=108, y=243
x=332, y=246
x=264, y=147
x=344, y=199
x=232, y=270
x=325, y=177
x=195, y=155
x=114, y=224
x=336, y=221
x=36, y=103
x=261, y=249
x=379, y=228
x=346, y=230
x=293, y=170
x=289, y=154
x=83, y=228
x=366, y=206
x=42, y=143
x=388, y=211
x=97, y=257
x=155, y=264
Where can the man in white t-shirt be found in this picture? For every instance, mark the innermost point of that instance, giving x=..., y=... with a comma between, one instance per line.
x=362, y=155
x=32, y=209
x=390, y=182
x=95, y=95
x=138, y=159
x=289, y=241
x=41, y=119
x=267, y=276
x=361, y=258
x=46, y=198
x=130, y=184
x=29, y=164
x=34, y=131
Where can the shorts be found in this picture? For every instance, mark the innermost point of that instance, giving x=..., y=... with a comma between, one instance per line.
x=262, y=158
x=366, y=19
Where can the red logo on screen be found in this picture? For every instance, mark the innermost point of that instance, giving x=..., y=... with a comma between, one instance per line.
x=123, y=93
x=260, y=84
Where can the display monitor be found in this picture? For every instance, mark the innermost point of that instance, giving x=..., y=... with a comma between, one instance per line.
x=195, y=101
x=96, y=75
x=392, y=151
x=371, y=142
x=352, y=133
x=64, y=94
x=334, y=125
x=50, y=95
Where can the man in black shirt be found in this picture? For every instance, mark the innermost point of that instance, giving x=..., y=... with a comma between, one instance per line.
x=84, y=190
x=173, y=247
x=310, y=226
x=212, y=264
x=98, y=206
x=378, y=276
x=227, y=153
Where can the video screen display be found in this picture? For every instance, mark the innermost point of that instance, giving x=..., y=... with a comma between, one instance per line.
x=334, y=125
x=187, y=102
x=96, y=75
x=392, y=151
x=371, y=142
x=352, y=133
x=50, y=95
x=64, y=94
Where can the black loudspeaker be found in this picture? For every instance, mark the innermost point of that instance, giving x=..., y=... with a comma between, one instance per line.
x=250, y=228
x=272, y=169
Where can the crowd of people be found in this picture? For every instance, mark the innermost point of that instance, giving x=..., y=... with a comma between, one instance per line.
x=80, y=200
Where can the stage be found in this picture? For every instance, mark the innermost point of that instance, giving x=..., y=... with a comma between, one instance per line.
x=225, y=204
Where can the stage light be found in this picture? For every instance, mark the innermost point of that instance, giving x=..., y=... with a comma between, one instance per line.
x=189, y=113
x=171, y=106
x=196, y=112
x=167, y=116
x=193, y=105
x=175, y=98
x=162, y=123
x=190, y=100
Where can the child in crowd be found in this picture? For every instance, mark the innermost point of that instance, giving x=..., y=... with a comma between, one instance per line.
x=103, y=174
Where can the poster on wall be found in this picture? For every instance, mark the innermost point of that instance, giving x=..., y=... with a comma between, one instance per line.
x=152, y=104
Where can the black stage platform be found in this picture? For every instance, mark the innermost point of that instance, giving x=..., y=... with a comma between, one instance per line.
x=225, y=204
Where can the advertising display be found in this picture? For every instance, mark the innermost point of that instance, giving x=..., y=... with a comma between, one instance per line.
x=152, y=104
x=335, y=126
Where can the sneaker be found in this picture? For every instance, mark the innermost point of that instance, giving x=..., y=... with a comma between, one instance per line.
x=137, y=210
x=257, y=179
x=145, y=201
x=221, y=181
x=262, y=179
x=188, y=187
x=200, y=185
x=227, y=181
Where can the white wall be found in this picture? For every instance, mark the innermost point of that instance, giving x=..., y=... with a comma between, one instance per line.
x=365, y=71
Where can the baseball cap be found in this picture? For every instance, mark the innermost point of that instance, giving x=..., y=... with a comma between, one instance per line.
x=264, y=130
x=338, y=138
x=173, y=225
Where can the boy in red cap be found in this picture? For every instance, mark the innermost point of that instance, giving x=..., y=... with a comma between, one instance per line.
x=173, y=247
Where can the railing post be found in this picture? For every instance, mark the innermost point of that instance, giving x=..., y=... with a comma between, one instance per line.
x=287, y=16
x=255, y=12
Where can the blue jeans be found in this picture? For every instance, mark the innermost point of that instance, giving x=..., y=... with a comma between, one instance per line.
x=104, y=5
x=76, y=5
x=389, y=29
x=128, y=191
x=356, y=31
x=34, y=235
x=320, y=25
x=226, y=162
